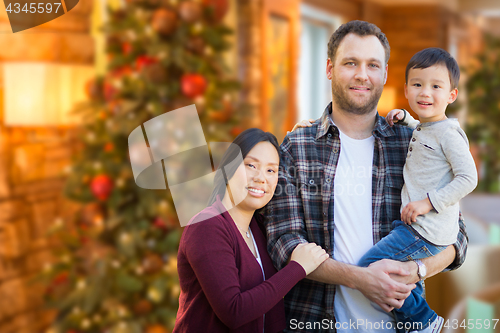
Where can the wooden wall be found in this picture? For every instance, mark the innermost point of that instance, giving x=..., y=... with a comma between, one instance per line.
x=409, y=33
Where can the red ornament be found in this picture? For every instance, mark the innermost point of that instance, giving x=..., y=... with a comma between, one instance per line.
x=143, y=61
x=108, y=147
x=160, y=224
x=109, y=91
x=236, y=131
x=61, y=278
x=122, y=71
x=126, y=48
x=101, y=186
x=217, y=8
x=164, y=224
x=193, y=85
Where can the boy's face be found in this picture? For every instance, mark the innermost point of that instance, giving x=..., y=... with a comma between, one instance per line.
x=429, y=92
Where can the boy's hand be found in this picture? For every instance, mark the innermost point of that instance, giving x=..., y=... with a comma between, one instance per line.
x=415, y=208
x=302, y=123
x=396, y=114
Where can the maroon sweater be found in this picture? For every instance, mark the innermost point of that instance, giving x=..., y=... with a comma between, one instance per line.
x=222, y=288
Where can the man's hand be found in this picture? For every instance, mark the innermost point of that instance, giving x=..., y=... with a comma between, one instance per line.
x=413, y=209
x=377, y=285
x=394, y=115
x=409, y=266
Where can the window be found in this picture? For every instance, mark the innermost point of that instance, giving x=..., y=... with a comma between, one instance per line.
x=313, y=86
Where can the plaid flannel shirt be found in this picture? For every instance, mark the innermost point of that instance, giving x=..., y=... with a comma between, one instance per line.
x=302, y=207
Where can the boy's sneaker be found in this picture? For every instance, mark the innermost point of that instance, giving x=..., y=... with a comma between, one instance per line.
x=434, y=327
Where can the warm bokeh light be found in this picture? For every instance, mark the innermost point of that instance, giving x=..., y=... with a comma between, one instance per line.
x=387, y=101
x=43, y=94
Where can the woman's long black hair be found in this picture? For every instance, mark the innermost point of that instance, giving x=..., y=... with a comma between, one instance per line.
x=244, y=143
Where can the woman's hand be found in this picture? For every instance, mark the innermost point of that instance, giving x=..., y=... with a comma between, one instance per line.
x=302, y=123
x=309, y=256
x=393, y=115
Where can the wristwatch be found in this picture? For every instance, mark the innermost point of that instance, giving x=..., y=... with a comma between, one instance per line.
x=422, y=270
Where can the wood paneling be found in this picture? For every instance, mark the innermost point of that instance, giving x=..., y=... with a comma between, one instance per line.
x=249, y=41
x=348, y=9
x=408, y=32
x=288, y=11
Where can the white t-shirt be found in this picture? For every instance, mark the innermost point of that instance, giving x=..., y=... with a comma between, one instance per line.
x=353, y=234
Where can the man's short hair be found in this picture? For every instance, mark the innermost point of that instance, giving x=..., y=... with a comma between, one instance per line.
x=360, y=28
x=435, y=56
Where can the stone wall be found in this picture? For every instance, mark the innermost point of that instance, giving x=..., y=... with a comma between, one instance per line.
x=33, y=162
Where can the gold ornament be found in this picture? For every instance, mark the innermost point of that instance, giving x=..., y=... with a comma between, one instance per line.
x=155, y=73
x=47, y=267
x=85, y=324
x=190, y=11
x=175, y=291
x=164, y=21
x=171, y=266
x=125, y=238
x=154, y=295
x=81, y=284
x=152, y=263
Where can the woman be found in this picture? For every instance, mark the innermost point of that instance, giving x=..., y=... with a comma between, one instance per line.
x=228, y=282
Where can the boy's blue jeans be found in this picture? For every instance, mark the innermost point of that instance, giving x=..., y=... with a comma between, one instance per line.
x=403, y=244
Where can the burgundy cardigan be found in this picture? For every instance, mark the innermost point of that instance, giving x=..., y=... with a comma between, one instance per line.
x=222, y=289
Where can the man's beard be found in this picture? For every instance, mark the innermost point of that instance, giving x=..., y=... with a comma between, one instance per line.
x=344, y=102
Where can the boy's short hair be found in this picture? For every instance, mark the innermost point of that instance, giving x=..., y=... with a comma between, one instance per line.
x=435, y=56
x=360, y=28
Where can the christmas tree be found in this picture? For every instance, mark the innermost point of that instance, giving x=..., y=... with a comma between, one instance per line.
x=483, y=87
x=117, y=261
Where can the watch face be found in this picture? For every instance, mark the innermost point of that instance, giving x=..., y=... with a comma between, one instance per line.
x=422, y=270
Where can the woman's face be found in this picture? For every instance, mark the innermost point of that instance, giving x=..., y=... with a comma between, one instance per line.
x=252, y=185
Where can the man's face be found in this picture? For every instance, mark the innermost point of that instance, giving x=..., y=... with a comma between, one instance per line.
x=358, y=74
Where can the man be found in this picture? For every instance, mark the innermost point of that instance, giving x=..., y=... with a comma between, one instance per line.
x=340, y=187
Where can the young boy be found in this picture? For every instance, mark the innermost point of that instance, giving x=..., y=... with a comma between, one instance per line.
x=439, y=171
